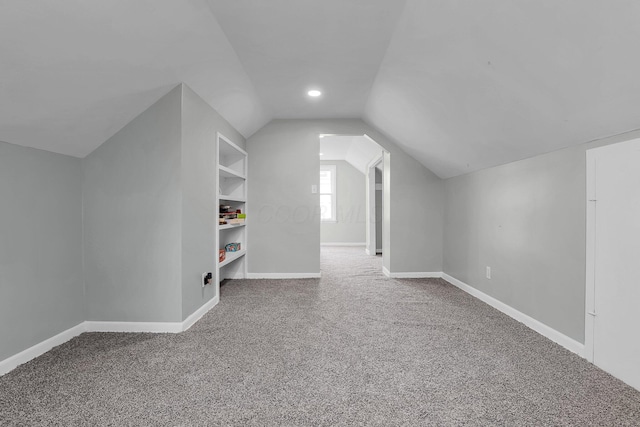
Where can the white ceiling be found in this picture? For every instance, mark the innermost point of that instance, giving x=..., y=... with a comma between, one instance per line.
x=73, y=72
x=470, y=84
x=359, y=151
x=460, y=85
x=288, y=46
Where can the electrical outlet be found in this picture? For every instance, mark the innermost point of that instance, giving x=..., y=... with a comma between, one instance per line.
x=314, y=189
x=206, y=279
x=488, y=272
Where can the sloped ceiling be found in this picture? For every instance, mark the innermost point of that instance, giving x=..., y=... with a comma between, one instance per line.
x=290, y=46
x=358, y=151
x=470, y=84
x=75, y=72
x=460, y=85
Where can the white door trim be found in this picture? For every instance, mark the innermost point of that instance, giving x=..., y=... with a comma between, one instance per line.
x=371, y=206
x=589, y=312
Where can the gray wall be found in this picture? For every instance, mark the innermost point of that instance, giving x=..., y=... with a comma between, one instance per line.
x=143, y=207
x=132, y=219
x=200, y=123
x=527, y=221
x=283, y=214
x=41, y=290
x=284, y=163
x=350, y=206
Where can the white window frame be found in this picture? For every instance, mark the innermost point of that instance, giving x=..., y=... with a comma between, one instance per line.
x=334, y=178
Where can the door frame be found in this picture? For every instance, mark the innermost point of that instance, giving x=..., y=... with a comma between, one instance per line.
x=370, y=247
x=590, y=276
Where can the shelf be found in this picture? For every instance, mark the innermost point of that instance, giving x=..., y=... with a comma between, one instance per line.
x=226, y=198
x=229, y=149
x=232, y=181
x=232, y=256
x=228, y=226
x=226, y=172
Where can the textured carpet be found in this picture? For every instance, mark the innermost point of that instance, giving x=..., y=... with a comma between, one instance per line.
x=353, y=348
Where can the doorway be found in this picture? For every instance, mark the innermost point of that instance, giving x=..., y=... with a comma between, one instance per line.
x=613, y=271
x=349, y=165
x=375, y=206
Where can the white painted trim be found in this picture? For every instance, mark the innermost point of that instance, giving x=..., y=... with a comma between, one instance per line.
x=544, y=330
x=234, y=276
x=416, y=275
x=366, y=251
x=343, y=244
x=370, y=199
x=155, y=327
x=412, y=274
x=228, y=141
x=197, y=315
x=39, y=349
x=590, y=277
x=283, y=275
x=334, y=197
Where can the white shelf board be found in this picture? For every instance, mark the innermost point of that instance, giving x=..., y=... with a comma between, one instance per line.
x=229, y=147
x=229, y=173
x=227, y=226
x=232, y=256
x=231, y=198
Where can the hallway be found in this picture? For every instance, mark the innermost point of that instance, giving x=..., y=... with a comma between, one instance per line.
x=353, y=347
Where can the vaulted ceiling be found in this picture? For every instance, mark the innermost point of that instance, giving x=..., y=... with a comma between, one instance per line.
x=358, y=151
x=460, y=85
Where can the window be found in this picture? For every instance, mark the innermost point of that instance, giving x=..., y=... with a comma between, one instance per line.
x=328, y=193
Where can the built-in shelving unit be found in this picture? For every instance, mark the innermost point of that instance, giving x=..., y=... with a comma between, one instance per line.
x=232, y=191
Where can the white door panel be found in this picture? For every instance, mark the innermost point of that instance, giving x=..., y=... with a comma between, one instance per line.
x=616, y=332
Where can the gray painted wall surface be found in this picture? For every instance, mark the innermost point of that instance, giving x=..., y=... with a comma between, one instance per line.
x=200, y=122
x=132, y=219
x=284, y=163
x=527, y=221
x=41, y=289
x=282, y=214
x=350, y=206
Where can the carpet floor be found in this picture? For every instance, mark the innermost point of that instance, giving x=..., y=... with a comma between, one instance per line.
x=352, y=348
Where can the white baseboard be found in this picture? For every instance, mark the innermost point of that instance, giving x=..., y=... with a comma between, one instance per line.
x=283, y=275
x=544, y=330
x=197, y=315
x=412, y=274
x=234, y=276
x=155, y=327
x=39, y=349
x=343, y=244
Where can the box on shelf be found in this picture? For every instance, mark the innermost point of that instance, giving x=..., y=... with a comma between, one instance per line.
x=232, y=247
x=222, y=255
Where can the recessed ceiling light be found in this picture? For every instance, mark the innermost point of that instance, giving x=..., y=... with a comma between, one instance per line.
x=314, y=93
x=322, y=154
